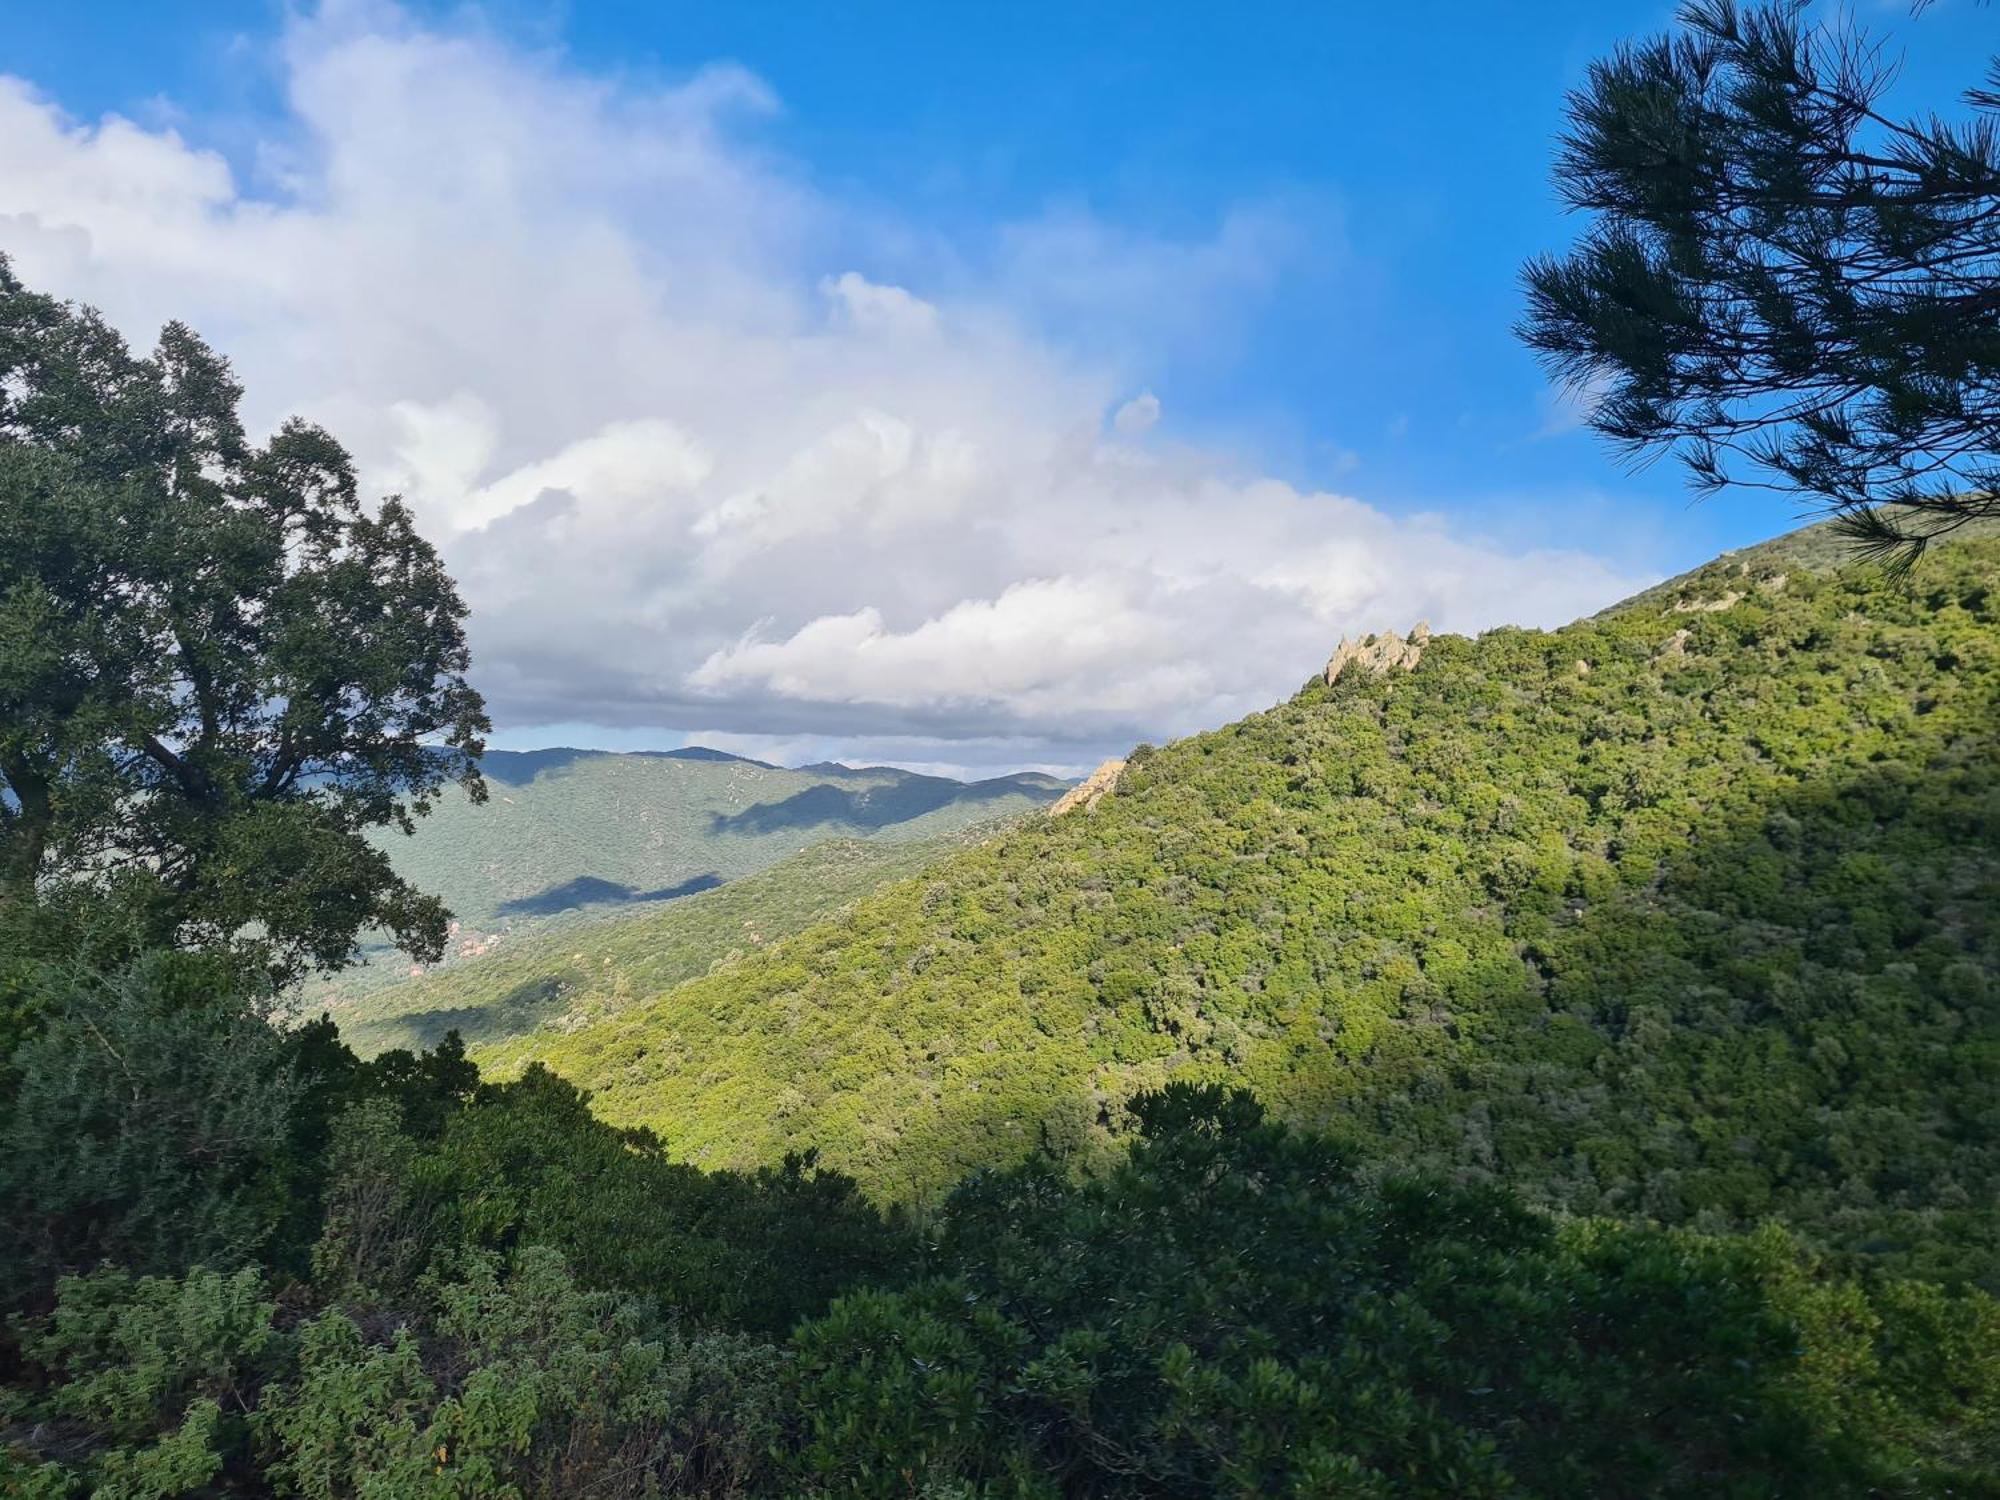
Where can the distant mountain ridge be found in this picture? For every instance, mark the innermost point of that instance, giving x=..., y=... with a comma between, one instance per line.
x=568, y=833
x=518, y=767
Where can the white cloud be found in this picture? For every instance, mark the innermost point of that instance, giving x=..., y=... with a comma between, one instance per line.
x=1026, y=649
x=696, y=468
x=888, y=310
x=617, y=473
x=1140, y=414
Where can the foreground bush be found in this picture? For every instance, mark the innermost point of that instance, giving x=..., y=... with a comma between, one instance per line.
x=148, y=1124
x=1236, y=1310
x=500, y=1379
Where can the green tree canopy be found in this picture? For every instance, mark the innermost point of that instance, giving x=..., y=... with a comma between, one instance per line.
x=1780, y=278
x=218, y=668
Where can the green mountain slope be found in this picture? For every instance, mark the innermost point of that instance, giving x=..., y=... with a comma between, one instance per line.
x=1684, y=912
x=566, y=830
x=577, y=969
x=570, y=833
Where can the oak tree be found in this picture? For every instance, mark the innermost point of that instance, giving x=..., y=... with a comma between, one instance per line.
x=219, y=668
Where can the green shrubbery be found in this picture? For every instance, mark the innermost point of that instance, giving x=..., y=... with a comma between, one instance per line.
x=242, y=1260
x=1700, y=936
x=149, y=1125
x=1235, y=1309
x=522, y=1383
x=152, y=1376
x=499, y=1377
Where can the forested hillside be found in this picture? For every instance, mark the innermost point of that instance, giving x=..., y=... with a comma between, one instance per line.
x=1683, y=912
x=568, y=834
x=581, y=966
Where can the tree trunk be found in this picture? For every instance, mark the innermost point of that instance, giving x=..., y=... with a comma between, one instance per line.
x=24, y=834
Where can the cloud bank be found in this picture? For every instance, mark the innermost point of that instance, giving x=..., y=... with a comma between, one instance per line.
x=716, y=455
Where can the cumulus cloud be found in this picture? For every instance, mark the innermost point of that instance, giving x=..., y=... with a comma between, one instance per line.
x=716, y=455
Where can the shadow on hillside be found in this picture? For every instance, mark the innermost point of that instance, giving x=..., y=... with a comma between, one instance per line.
x=870, y=807
x=522, y=1009
x=588, y=890
x=519, y=767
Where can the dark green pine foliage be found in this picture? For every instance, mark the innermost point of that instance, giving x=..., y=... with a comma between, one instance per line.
x=1780, y=281
x=1685, y=912
x=148, y=1123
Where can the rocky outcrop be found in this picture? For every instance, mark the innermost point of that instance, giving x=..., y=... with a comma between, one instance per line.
x=1767, y=583
x=1375, y=655
x=1708, y=606
x=1090, y=791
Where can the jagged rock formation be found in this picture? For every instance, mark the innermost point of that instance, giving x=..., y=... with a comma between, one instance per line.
x=1093, y=789
x=1377, y=654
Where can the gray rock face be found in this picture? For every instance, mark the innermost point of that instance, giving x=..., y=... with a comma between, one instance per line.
x=1375, y=655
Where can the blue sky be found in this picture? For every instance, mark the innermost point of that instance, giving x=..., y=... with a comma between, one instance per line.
x=1324, y=209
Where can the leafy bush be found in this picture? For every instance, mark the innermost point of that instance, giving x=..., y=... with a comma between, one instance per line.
x=1235, y=1310
x=155, y=1373
x=375, y=1236
x=523, y=1384
x=149, y=1127
x=528, y=1163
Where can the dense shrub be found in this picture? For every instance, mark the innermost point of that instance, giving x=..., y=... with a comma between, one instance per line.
x=528, y=1163
x=151, y=1381
x=1235, y=1310
x=149, y=1125
x=521, y=1384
